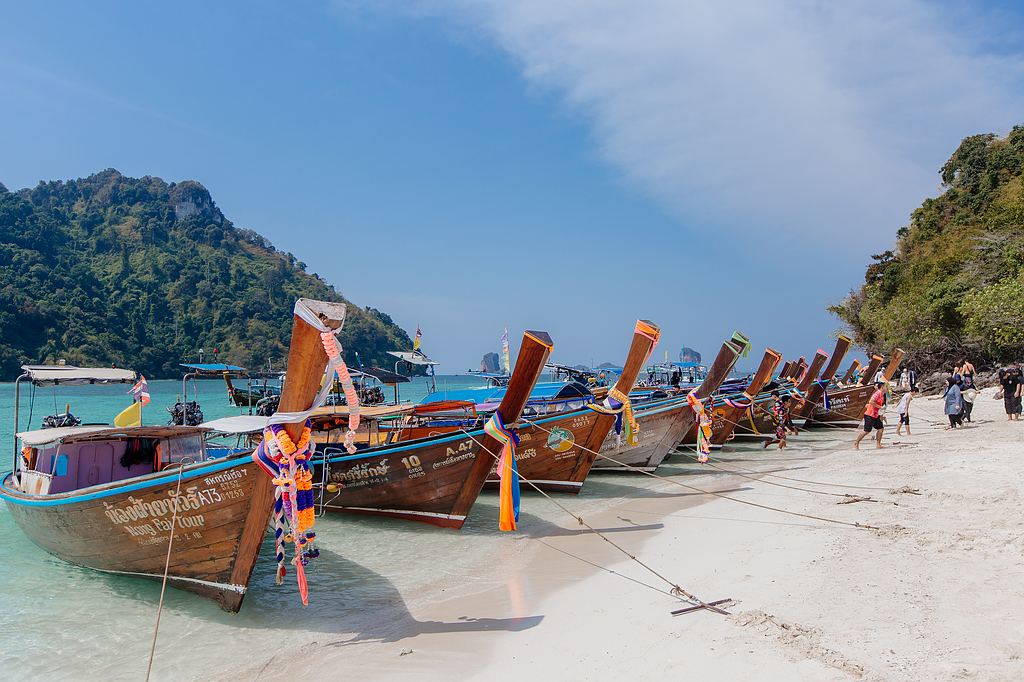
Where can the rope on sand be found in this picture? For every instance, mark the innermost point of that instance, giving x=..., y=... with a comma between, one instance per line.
x=675, y=590
x=723, y=496
x=846, y=496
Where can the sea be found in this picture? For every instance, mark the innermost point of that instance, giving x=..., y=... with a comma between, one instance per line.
x=59, y=621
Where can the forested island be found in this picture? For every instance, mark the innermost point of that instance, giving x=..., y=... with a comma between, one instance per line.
x=142, y=273
x=953, y=286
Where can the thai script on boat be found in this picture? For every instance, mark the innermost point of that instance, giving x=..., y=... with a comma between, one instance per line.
x=457, y=454
x=226, y=476
x=136, y=509
x=361, y=472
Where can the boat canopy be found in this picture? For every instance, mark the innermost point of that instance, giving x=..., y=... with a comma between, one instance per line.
x=41, y=375
x=214, y=367
x=549, y=390
x=384, y=376
x=686, y=365
x=239, y=423
x=412, y=357
x=103, y=432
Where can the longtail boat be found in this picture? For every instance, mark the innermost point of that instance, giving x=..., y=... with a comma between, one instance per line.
x=848, y=376
x=819, y=389
x=847, y=404
x=104, y=497
x=799, y=391
x=433, y=480
x=556, y=453
x=665, y=423
x=730, y=410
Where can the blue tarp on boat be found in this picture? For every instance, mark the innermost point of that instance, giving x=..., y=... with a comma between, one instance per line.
x=213, y=367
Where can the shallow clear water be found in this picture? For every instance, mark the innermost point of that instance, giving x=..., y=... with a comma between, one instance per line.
x=374, y=575
x=61, y=621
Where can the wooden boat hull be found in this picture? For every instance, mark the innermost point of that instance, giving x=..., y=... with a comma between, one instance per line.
x=847, y=405
x=662, y=427
x=555, y=461
x=757, y=420
x=411, y=480
x=124, y=529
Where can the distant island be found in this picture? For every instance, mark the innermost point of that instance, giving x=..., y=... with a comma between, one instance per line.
x=142, y=273
x=953, y=286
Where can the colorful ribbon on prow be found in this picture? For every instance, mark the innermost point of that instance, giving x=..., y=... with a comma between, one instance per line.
x=825, y=400
x=287, y=463
x=337, y=365
x=703, y=419
x=508, y=473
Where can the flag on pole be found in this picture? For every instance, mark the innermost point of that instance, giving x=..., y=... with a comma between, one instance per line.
x=506, y=363
x=140, y=391
x=419, y=337
x=129, y=416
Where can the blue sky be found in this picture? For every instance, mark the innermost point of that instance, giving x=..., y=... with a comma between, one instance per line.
x=570, y=166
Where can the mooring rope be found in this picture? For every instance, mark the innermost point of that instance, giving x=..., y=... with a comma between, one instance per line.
x=760, y=480
x=167, y=566
x=853, y=524
x=798, y=480
x=676, y=590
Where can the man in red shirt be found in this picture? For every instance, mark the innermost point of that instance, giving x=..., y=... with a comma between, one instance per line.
x=873, y=417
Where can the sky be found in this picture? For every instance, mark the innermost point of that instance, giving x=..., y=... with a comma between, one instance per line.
x=565, y=166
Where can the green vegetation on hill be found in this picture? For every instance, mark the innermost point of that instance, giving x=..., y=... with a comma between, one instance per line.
x=955, y=282
x=142, y=273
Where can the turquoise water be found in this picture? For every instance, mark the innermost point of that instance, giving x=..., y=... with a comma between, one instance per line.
x=58, y=621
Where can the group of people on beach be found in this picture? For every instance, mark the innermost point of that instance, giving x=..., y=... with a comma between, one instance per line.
x=958, y=397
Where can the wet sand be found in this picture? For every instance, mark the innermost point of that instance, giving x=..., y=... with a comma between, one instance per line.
x=934, y=593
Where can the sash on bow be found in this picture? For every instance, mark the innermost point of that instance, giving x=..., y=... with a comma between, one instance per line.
x=703, y=419
x=618, y=403
x=508, y=473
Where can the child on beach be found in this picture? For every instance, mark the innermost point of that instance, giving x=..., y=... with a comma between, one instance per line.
x=903, y=410
x=873, y=418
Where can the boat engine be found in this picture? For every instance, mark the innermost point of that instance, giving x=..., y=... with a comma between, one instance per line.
x=266, y=407
x=187, y=414
x=56, y=421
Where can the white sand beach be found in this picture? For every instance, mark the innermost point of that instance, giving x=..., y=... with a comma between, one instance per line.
x=935, y=593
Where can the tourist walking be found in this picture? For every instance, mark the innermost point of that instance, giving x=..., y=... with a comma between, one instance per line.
x=780, y=413
x=954, y=404
x=1010, y=383
x=873, y=417
x=969, y=394
x=903, y=410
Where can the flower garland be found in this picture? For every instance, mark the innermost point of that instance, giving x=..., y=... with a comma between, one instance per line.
x=287, y=463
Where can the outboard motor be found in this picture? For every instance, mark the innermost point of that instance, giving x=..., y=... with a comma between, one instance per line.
x=268, y=406
x=56, y=421
x=187, y=414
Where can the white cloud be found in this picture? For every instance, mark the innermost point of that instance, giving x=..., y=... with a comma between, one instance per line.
x=809, y=117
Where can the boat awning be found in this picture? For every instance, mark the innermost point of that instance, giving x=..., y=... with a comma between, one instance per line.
x=103, y=432
x=41, y=375
x=213, y=367
x=385, y=376
x=412, y=357
x=240, y=423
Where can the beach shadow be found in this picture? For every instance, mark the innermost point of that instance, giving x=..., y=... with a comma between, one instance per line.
x=345, y=598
